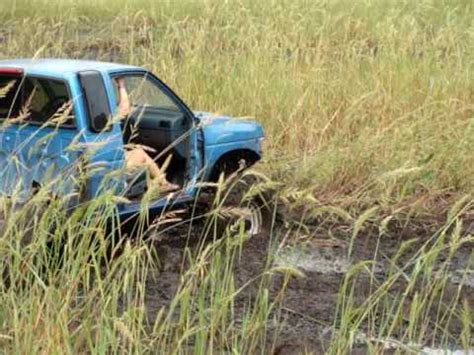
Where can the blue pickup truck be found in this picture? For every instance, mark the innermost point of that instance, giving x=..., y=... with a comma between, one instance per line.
x=44, y=139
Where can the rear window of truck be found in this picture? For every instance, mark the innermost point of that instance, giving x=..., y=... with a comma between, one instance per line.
x=35, y=100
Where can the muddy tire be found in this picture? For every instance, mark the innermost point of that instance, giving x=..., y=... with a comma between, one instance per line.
x=243, y=203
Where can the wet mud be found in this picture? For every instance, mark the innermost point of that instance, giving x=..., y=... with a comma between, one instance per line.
x=306, y=314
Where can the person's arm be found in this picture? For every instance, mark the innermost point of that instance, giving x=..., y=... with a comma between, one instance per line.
x=124, y=104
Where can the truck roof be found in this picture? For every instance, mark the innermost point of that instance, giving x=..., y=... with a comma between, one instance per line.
x=61, y=67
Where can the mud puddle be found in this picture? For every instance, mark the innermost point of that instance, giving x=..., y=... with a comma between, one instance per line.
x=312, y=258
x=307, y=312
x=315, y=296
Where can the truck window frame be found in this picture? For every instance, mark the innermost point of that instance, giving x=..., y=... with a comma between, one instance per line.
x=45, y=124
x=160, y=84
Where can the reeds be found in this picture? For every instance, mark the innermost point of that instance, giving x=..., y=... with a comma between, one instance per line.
x=366, y=103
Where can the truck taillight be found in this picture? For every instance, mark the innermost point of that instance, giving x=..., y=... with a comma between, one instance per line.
x=11, y=71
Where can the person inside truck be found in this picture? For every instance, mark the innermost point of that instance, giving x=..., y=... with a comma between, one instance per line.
x=135, y=156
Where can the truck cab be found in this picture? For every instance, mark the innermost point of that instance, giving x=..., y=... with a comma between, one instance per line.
x=59, y=128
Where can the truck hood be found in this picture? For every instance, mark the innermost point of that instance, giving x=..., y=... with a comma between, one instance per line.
x=224, y=129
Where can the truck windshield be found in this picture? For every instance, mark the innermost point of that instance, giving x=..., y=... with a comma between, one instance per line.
x=37, y=99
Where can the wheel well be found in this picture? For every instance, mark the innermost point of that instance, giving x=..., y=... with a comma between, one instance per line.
x=35, y=187
x=231, y=162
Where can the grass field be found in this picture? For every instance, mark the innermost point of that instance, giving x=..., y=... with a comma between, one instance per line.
x=369, y=112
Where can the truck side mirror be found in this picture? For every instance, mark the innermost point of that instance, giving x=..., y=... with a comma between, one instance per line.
x=96, y=100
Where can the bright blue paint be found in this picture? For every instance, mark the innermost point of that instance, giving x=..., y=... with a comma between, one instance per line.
x=211, y=137
x=61, y=67
x=223, y=129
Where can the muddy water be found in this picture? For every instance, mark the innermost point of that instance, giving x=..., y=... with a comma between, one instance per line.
x=325, y=267
x=307, y=313
x=433, y=351
x=310, y=258
x=324, y=260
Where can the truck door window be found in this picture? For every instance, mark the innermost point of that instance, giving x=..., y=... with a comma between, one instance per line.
x=145, y=93
x=38, y=99
x=150, y=115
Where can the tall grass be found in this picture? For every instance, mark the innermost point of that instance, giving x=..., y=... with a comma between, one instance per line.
x=70, y=284
x=367, y=97
x=364, y=103
x=414, y=303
